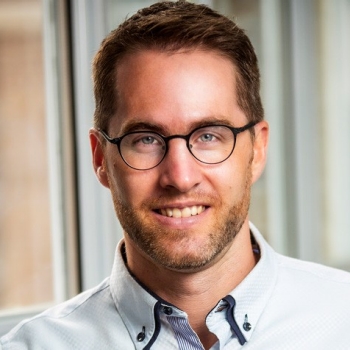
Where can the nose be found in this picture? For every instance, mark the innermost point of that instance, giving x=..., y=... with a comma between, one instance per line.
x=179, y=169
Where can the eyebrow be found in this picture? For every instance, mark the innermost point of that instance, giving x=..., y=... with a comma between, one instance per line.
x=138, y=125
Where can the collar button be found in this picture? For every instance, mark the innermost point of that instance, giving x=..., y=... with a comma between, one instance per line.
x=141, y=336
x=247, y=326
x=167, y=310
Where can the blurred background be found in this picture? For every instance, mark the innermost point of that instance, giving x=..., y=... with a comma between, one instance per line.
x=58, y=230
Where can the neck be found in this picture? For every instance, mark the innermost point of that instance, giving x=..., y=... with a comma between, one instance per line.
x=197, y=293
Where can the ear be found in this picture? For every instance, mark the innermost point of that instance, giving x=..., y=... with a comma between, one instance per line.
x=260, y=149
x=98, y=157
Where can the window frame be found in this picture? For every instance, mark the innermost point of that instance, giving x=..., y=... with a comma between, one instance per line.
x=61, y=163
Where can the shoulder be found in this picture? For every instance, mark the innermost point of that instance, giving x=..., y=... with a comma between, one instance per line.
x=298, y=274
x=311, y=283
x=85, y=315
x=75, y=306
x=313, y=272
x=308, y=298
x=309, y=307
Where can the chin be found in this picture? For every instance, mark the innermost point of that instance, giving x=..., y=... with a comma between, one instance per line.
x=186, y=255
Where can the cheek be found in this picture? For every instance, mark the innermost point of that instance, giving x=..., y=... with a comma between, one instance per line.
x=131, y=186
x=231, y=179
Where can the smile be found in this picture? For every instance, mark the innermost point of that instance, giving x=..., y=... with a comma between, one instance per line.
x=183, y=212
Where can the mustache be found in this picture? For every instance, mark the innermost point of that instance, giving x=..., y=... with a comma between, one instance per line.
x=200, y=198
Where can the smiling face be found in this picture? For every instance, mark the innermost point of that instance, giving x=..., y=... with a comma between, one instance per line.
x=182, y=214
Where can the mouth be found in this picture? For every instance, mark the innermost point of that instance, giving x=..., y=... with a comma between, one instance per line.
x=185, y=212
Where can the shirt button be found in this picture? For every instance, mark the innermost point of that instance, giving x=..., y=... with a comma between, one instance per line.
x=141, y=336
x=167, y=310
x=247, y=326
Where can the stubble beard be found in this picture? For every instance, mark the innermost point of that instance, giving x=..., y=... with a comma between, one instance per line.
x=149, y=238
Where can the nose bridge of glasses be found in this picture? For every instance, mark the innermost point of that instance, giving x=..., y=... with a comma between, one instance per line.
x=178, y=136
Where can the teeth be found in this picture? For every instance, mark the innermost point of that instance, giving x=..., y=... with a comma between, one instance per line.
x=176, y=213
x=194, y=210
x=184, y=212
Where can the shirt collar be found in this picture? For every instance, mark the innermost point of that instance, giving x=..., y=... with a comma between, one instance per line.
x=254, y=292
x=137, y=306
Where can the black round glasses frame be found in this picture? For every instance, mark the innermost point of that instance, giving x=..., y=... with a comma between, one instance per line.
x=235, y=131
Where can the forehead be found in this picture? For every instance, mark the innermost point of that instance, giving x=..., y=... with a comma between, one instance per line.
x=175, y=90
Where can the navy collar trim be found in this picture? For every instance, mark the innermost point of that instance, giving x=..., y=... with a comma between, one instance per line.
x=231, y=319
x=156, y=312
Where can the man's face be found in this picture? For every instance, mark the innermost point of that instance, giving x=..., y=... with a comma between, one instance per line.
x=182, y=214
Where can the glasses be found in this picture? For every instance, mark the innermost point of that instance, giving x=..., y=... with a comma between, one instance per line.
x=144, y=150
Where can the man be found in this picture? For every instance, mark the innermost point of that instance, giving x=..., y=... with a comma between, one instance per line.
x=179, y=139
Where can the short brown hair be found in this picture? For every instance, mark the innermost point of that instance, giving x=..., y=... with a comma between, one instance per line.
x=170, y=27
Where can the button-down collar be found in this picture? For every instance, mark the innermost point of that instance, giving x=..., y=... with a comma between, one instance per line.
x=135, y=305
x=253, y=293
x=140, y=309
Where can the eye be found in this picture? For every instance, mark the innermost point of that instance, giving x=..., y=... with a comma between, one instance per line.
x=143, y=142
x=148, y=140
x=207, y=137
x=211, y=137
